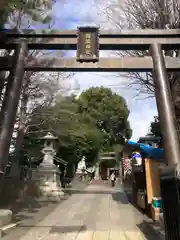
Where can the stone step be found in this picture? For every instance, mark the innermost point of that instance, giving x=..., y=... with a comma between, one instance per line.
x=5, y=217
x=6, y=229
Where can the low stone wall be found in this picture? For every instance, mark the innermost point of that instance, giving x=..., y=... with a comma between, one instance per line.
x=16, y=192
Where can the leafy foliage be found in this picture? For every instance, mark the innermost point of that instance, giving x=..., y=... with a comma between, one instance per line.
x=109, y=112
x=63, y=120
x=32, y=11
x=38, y=87
x=83, y=126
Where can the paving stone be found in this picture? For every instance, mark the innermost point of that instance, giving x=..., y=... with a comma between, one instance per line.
x=87, y=235
x=134, y=235
x=95, y=213
x=116, y=235
x=101, y=235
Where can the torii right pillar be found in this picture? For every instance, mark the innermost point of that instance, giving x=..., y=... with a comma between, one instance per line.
x=170, y=176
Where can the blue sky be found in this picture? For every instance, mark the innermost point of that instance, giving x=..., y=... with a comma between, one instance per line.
x=77, y=12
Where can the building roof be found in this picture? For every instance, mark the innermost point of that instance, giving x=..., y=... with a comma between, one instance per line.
x=146, y=150
x=150, y=138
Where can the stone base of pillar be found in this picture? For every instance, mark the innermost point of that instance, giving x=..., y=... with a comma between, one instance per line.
x=5, y=217
x=48, y=178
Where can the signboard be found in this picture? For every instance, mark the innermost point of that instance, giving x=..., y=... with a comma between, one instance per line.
x=88, y=44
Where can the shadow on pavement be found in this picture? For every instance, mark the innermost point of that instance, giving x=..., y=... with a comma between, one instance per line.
x=148, y=232
x=128, y=193
x=68, y=229
x=120, y=198
x=33, y=207
x=76, y=191
x=60, y=229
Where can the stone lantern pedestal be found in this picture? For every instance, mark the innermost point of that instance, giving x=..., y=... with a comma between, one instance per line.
x=47, y=174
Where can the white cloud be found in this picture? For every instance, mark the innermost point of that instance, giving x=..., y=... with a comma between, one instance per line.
x=141, y=114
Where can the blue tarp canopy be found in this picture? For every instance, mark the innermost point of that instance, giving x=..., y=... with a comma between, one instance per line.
x=148, y=151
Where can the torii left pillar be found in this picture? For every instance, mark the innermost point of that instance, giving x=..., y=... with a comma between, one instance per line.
x=9, y=119
x=11, y=108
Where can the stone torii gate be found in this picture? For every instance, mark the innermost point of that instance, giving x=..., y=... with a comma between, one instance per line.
x=88, y=41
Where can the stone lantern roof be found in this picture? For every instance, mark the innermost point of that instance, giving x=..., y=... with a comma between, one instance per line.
x=49, y=136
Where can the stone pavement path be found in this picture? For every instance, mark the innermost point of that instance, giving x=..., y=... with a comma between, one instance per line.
x=95, y=213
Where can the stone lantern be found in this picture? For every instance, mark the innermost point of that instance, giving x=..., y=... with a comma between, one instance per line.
x=48, y=173
x=49, y=149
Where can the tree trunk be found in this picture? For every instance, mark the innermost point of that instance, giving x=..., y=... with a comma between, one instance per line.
x=3, y=3
x=2, y=83
x=22, y=124
x=3, y=76
x=6, y=98
x=15, y=168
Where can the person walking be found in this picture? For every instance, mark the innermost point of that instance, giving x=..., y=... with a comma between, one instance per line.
x=113, y=179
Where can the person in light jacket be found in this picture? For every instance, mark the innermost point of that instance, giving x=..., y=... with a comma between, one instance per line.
x=113, y=179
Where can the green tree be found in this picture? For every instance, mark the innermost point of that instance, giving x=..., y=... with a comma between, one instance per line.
x=82, y=126
x=76, y=137
x=36, y=11
x=108, y=111
x=94, y=139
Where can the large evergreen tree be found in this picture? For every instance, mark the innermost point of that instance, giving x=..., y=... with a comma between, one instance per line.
x=109, y=112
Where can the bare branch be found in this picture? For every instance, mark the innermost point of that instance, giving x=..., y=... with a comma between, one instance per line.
x=141, y=14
